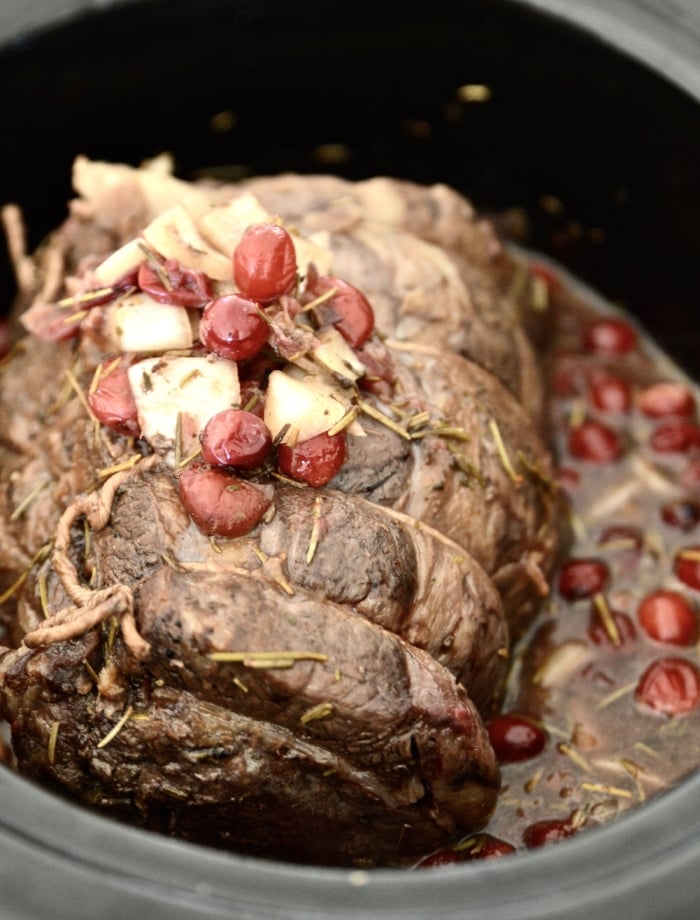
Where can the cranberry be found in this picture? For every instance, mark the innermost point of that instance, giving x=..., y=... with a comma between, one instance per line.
x=668, y=616
x=515, y=738
x=439, y=858
x=610, y=337
x=544, y=833
x=546, y=274
x=348, y=309
x=315, y=461
x=175, y=284
x=595, y=443
x=621, y=538
x=235, y=437
x=112, y=400
x=689, y=477
x=568, y=478
x=616, y=634
x=487, y=847
x=675, y=436
x=670, y=685
x=683, y=514
x=568, y=378
x=232, y=327
x=609, y=393
x=667, y=398
x=219, y=503
x=380, y=374
x=581, y=578
x=686, y=566
x=265, y=263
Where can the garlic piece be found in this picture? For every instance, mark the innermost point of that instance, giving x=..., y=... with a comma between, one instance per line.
x=310, y=405
x=176, y=396
x=139, y=324
x=175, y=235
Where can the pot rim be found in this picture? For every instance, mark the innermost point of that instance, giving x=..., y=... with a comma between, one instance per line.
x=645, y=864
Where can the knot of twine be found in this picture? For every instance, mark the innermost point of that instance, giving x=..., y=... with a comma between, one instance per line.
x=91, y=606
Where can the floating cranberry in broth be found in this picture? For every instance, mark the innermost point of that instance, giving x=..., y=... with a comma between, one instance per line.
x=580, y=578
x=667, y=398
x=668, y=616
x=609, y=393
x=610, y=336
x=686, y=566
x=670, y=686
x=515, y=737
x=594, y=442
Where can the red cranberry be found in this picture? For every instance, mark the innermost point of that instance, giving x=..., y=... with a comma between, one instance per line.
x=689, y=477
x=569, y=478
x=544, y=833
x=581, y=578
x=668, y=616
x=546, y=274
x=568, y=378
x=610, y=337
x=515, y=738
x=112, y=399
x=237, y=438
x=609, y=393
x=315, y=461
x=183, y=287
x=265, y=263
x=683, y=514
x=348, y=309
x=439, y=858
x=487, y=847
x=232, y=327
x=616, y=634
x=670, y=685
x=620, y=538
x=667, y=398
x=686, y=566
x=675, y=436
x=219, y=503
x=594, y=442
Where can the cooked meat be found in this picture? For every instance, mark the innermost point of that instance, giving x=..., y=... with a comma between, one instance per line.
x=432, y=270
x=313, y=688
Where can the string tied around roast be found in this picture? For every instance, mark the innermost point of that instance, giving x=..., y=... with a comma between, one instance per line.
x=91, y=606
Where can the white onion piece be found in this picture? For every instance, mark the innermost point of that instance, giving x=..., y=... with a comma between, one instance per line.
x=175, y=235
x=223, y=226
x=122, y=262
x=191, y=388
x=141, y=325
x=310, y=405
x=336, y=356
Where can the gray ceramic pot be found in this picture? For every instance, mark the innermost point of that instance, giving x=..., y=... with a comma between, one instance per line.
x=591, y=96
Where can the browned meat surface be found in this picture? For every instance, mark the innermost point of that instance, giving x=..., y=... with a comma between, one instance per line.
x=359, y=631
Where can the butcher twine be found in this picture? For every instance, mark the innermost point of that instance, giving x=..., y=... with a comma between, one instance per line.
x=91, y=606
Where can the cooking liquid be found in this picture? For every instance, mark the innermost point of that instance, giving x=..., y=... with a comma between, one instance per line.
x=606, y=752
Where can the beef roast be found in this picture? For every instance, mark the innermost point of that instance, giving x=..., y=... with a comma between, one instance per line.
x=314, y=688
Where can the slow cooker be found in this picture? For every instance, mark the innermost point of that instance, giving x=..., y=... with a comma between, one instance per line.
x=582, y=118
